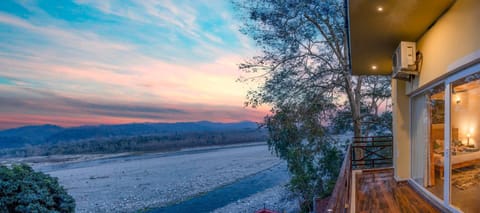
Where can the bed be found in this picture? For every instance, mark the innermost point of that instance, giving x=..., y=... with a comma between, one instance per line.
x=459, y=160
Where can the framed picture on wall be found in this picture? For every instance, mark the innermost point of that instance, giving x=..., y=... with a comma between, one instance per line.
x=438, y=111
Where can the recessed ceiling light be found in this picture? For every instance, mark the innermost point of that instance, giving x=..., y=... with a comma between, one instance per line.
x=374, y=67
x=380, y=9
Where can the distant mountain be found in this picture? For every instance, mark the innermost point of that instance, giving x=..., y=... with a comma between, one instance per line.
x=33, y=135
x=27, y=135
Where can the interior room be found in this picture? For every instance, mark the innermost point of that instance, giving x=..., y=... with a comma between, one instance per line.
x=465, y=152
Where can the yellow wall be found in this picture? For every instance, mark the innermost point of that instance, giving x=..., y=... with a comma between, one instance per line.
x=401, y=127
x=455, y=36
x=466, y=116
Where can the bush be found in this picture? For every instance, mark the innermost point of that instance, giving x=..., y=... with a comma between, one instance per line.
x=24, y=190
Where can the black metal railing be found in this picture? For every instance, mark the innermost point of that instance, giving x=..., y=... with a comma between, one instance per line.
x=372, y=152
x=363, y=153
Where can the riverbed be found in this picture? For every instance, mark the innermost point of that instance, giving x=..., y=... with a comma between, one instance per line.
x=129, y=183
x=230, y=193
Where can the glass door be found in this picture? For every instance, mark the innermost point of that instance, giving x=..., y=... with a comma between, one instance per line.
x=465, y=143
x=436, y=141
x=445, y=140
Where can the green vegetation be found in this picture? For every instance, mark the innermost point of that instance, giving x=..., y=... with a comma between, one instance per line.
x=313, y=159
x=24, y=190
x=304, y=75
x=166, y=142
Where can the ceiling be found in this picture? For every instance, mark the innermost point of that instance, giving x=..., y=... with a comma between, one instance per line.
x=375, y=33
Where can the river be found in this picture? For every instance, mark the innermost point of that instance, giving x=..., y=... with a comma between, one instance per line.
x=224, y=195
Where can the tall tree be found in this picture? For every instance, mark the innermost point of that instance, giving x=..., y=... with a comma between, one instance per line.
x=304, y=53
x=305, y=76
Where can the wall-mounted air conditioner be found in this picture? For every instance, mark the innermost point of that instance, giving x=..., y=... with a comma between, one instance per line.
x=404, y=61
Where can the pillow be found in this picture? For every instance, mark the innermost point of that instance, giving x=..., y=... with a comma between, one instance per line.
x=457, y=143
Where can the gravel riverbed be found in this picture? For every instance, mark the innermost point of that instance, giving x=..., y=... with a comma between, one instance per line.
x=129, y=184
x=277, y=198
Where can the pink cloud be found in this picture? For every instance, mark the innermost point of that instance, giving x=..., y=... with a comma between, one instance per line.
x=9, y=120
x=85, y=67
x=200, y=83
x=38, y=107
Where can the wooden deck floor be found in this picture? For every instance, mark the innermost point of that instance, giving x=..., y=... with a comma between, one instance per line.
x=377, y=191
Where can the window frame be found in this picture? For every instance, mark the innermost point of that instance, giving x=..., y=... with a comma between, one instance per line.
x=464, y=72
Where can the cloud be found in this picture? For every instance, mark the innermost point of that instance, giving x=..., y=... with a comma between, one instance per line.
x=63, y=37
x=68, y=106
x=67, y=111
x=147, y=61
x=155, y=80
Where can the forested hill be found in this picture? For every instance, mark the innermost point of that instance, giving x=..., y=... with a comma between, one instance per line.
x=36, y=135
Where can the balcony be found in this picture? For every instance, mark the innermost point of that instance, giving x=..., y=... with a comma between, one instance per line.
x=369, y=161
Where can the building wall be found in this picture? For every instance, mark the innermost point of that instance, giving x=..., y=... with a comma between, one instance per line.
x=401, y=127
x=455, y=36
x=466, y=116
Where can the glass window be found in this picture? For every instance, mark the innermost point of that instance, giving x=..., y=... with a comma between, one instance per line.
x=435, y=147
x=427, y=126
x=465, y=152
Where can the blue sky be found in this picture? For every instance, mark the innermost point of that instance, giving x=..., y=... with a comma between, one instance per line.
x=90, y=62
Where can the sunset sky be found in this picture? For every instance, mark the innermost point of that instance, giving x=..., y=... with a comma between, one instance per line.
x=107, y=61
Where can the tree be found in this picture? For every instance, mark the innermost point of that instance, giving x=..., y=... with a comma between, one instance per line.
x=312, y=159
x=375, y=92
x=304, y=75
x=304, y=53
x=24, y=190
x=375, y=110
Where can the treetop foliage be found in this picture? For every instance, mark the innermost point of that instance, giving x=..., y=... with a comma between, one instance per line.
x=24, y=190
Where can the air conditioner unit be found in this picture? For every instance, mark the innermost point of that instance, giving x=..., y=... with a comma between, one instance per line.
x=404, y=61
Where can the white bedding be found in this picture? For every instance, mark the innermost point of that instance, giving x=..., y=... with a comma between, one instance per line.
x=459, y=158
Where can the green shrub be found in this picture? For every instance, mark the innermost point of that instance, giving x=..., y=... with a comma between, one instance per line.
x=24, y=190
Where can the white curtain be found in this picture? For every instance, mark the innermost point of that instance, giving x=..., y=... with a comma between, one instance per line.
x=419, y=124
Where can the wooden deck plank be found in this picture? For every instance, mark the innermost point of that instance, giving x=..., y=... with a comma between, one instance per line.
x=377, y=191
